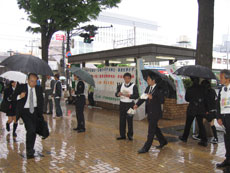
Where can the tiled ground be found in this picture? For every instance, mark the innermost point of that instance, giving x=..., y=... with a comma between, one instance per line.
x=97, y=150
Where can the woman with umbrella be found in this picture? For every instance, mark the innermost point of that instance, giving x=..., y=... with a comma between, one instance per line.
x=11, y=110
x=80, y=104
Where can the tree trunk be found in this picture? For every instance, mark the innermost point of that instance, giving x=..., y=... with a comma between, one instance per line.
x=45, y=42
x=204, y=46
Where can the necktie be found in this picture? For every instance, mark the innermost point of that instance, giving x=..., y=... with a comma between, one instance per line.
x=150, y=89
x=31, y=101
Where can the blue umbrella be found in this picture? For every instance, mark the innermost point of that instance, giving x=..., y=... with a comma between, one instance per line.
x=84, y=75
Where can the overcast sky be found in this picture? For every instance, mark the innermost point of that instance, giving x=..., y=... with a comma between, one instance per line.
x=175, y=18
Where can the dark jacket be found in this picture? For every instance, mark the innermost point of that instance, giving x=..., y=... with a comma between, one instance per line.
x=58, y=89
x=80, y=88
x=153, y=106
x=195, y=95
x=8, y=98
x=210, y=100
x=135, y=94
x=21, y=102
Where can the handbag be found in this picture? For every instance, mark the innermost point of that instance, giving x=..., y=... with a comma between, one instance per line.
x=42, y=128
x=4, y=106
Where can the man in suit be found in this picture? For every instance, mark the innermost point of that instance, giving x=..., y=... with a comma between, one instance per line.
x=153, y=108
x=57, y=92
x=30, y=107
x=127, y=92
x=49, y=87
x=80, y=104
x=223, y=114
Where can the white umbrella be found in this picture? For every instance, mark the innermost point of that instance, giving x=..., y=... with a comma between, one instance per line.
x=15, y=76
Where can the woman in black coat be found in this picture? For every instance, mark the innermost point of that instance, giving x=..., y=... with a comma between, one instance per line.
x=11, y=107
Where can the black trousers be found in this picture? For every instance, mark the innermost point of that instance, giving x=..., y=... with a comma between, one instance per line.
x=188, y=124
x=58, y=107
x=91, y=100
x=80, y=104
x=124, y=107
x=48, y=101
x=153, y=130
x=226, y=123
x=30, y=121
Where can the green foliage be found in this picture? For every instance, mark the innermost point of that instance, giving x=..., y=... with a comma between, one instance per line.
x=55, y=15
x=187, y=83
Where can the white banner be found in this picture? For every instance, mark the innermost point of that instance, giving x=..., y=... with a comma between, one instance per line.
x=180, y=90
x=107, y=79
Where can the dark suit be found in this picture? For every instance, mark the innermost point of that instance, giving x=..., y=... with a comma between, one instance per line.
x=153, y=108
x=48, y=100
x=80, y=104
x=57, y=98
x=30, y=119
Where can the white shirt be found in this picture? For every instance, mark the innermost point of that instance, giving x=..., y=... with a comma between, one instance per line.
x=27, y=105
x=48, y=84
x=152, y=88
x=126, y=90
x=225, y=100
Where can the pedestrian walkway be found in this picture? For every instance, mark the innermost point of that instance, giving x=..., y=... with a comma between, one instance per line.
x=98, y=151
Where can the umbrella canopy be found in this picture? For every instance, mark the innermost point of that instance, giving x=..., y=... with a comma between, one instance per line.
x=27, y=64
x=196, y=71
x=160, y=76
x=84, y=75
x=15, y=76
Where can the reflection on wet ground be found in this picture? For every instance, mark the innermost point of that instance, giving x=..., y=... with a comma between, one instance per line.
x=98, y=151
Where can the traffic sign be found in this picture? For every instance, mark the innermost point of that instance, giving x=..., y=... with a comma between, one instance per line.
x=68, y=54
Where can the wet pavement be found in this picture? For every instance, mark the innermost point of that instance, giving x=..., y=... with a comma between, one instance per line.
x=98, y=151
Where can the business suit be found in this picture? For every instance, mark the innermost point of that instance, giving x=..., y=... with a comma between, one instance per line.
x=153, y=108
x=30, y=119
x=57, y=97
x=48, y=93
x=80, y=104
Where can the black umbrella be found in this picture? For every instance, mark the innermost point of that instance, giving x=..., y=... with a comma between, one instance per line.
x=196, y=71
x=159, y=76
x=27, y=64
x=84, y=75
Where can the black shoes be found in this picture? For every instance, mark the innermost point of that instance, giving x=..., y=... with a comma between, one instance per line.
x=203, y=143
x=14, y=134
x=50, y=113
x=162, y=145
x=182, y=139
x=225, y=163
x=142, y=150
x=121, y=138
x=8, y=127
x=81, y=130
x=30, y=156
x=130, y=138
x=76, y=129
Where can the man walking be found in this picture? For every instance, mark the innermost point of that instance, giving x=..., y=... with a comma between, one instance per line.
x=49, y=87
x=30, y=106
x=153, y=108
x=127, y=92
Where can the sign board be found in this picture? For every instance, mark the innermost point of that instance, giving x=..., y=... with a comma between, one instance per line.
x=68, y=54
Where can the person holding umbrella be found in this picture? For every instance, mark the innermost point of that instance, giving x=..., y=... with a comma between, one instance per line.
x=154, y=99
x=80, y=104
x=11, y=107
x=30, y=107
x=127, y=92
x=195, y=95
